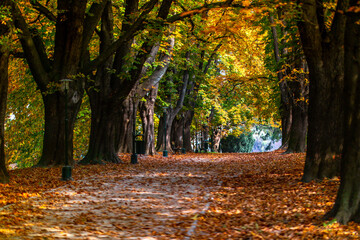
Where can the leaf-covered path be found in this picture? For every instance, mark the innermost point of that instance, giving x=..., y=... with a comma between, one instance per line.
x=192, y=196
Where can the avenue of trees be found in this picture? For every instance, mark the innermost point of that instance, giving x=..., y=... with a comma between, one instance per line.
x=215, y=67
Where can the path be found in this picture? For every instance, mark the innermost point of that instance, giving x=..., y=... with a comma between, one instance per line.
x=142, y=202
x=183, y=197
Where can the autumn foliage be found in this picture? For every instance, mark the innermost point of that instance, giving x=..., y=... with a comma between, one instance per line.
x=192, y=196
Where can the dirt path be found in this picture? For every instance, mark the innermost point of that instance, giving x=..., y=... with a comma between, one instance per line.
x=142, y=202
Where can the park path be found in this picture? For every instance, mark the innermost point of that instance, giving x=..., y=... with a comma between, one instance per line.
x=144, y=201
x=185, y=197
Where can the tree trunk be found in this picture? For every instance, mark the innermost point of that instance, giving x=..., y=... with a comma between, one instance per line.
x=53, y=153
x=170, y=115
x=182, y=138
x=177, y=133
x=102, y=145
x=285, y=107
x=286, y=111
x=297, y=140
x=125, y=126
x=189, y=115
x=117, y=89
x=299, y=89
x=325, y=56
x=4, y=63
x=147, y=116
x=216, y=139
x=107, y=94
x=347, y=204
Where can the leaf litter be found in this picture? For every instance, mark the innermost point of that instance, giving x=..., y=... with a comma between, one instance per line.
x=191, y=196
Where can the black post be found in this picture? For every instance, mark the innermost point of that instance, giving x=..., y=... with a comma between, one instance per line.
x=183, y=134
x=165, y=152
x=134, y=159
x=196, y=137
x=66, y=170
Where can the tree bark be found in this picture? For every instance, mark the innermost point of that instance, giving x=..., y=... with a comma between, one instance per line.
x=53, y=153
x=177, y=133
x=104, y=110
x=125, y=126
x=216, y=139
x=102, y=146
x=4, y=63
x=298, y=130
x=325, y=56
x=147, y=117
x=189, y=115
x=346, y=207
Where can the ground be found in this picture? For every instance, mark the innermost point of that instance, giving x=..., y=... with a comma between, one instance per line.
x=192, y=196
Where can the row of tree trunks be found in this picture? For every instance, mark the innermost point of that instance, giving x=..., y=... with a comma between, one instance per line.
x=4, y=63
x=325, y=56
x=346, y=207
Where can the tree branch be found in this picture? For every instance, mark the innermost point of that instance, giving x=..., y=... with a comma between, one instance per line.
x=43, y=10
x=201, y=9
x=29, y=47
x=137, y=26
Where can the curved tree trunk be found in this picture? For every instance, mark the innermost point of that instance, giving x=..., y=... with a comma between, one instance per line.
x=148, y=90
x=325, y=56
x=4, y=63
x=347, y=204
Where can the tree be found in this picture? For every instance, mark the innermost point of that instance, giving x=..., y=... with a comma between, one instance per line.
x=346, y=207
x=298, y=99
x=4, y=63
x=144, y=94
x=285, y=106
x=49, y=64
x=322, y=37
x=113, y=82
